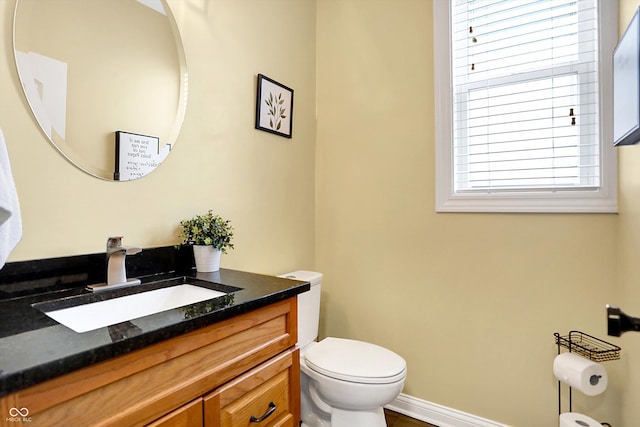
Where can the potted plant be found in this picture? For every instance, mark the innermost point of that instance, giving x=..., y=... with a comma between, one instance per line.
x=210, y=235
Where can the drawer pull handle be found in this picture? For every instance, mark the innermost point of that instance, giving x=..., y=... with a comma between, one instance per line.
x=271, y=410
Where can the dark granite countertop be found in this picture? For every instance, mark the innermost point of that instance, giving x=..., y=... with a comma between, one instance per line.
x=35, y=348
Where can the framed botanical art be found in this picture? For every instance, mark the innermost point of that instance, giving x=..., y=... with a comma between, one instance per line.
x=274, y=107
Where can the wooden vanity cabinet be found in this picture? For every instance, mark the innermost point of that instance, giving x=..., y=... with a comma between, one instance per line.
x=262, y=396
x=220, y=375
x=190, y=415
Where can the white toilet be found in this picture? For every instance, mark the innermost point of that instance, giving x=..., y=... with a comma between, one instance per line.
x=344, y=383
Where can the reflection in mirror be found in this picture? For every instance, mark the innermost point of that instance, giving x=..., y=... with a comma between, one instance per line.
x=93, y=68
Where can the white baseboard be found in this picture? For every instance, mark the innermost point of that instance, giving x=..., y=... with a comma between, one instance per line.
x=437, y=414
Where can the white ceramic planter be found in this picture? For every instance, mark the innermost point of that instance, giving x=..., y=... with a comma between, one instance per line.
x=207, y=258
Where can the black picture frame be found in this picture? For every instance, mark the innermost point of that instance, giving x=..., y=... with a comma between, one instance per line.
x=274, y=107
x=137, y=155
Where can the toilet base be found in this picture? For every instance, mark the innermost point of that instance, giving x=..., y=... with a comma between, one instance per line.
x=370, y=418
x=345, y=418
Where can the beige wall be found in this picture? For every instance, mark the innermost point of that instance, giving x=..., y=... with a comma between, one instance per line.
x=470, y=300
x=262, y=182
x=628, y=296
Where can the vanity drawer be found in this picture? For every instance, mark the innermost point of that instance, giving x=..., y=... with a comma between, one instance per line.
x=269, y=395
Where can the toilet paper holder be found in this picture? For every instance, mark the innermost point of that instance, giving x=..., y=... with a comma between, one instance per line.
x=619, y=322
x=587, y=346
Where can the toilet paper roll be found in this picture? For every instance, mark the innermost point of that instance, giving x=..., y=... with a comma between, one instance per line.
x=574, y=419
x=582, y=374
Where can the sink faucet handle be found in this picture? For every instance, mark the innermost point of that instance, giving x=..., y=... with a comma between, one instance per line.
x=132, y=250
x=115, y=243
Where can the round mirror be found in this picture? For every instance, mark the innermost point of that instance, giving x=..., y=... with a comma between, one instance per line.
x=106, y=80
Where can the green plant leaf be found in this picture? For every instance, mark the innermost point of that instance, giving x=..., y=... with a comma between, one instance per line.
x=207, y=229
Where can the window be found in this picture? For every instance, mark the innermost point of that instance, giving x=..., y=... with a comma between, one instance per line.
x=523, y=105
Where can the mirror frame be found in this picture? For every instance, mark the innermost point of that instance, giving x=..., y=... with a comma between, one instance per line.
x=67, y=152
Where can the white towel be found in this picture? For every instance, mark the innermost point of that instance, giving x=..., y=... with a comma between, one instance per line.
x=10, y=221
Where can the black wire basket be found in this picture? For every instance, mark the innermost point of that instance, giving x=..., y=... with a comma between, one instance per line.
x=588, y=346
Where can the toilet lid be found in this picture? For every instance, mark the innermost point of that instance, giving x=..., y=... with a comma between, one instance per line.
x=355, y=361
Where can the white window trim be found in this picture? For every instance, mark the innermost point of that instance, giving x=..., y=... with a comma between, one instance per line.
x=603, y=200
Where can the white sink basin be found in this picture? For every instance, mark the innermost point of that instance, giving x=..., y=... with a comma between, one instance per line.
x=87, y=317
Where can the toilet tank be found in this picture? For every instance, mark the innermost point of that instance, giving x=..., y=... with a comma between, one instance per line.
x=308, y=305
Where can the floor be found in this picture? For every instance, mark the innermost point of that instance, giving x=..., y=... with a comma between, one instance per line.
x=398, y=420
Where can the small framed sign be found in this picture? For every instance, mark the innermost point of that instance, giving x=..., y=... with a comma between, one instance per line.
x=274, y=107
x=137, y=155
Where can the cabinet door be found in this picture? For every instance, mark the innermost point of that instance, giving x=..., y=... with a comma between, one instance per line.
x=267, y=396
x=189, y=415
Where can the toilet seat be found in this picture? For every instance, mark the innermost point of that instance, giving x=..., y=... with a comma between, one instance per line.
x=355, y=361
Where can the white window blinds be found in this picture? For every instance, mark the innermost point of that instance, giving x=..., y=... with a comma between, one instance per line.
x=525, y=95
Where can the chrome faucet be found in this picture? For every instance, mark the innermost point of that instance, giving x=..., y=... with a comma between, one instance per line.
x=116, y=269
